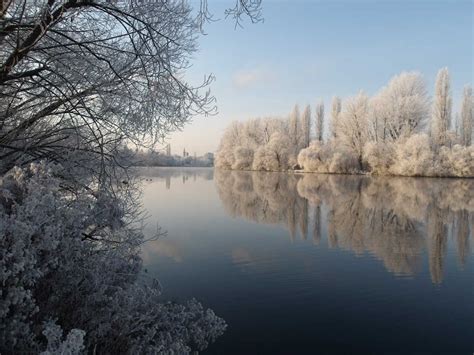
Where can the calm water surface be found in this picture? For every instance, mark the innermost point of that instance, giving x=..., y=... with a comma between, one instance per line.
x=317, y=264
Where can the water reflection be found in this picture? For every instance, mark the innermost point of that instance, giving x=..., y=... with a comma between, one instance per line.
x=394, y=219
x=170, y=173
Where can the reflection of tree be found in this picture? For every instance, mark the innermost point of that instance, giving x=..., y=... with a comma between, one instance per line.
x=394, y=239
x=437, y=234
x=303, y=217
x=166, y=173
x=269, y=198
x=393, y=219
x=317, y=225
x=462, y=235
x=332, y=235
x=385, y=216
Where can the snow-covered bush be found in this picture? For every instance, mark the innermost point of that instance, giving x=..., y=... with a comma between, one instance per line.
x=328, y=158
x=315, y=158
x=224, y=159
x=274, y=156
x=378, y=156
x=344, y=162
x=73, y=257
x=243, y=158
x=417, y=157
x=463, y=161
x=413, y=157
x=264, y=160
x=457, y=161
x=72, y=345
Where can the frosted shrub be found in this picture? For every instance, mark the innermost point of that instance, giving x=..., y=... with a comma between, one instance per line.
x=344, y=162
x=243, y=158
x=328, y=158
x=457, y=161
x=274, y=156
x=266, y=159
x=378, y=156
x=262, y=159
x=72, y=345
x=314, y=158
x=224, y=159
x=413, y=157
x=74, y=258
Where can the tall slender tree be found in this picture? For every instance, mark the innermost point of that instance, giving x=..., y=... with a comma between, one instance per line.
x=441, y=114
x=295, y=129
x=319, y=121
x=335, y=111
x=457, y=126
x=467, y=116
x=306, y=126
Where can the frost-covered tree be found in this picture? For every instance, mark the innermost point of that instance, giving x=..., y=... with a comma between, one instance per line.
x=353, y=125
x=336, y=107
x=85, y=75
x=306, y=125
x=467, y=116
x=294, y=129
x=441, y=112
x=457, y=127
x=82, y=77
x=241, y=141
x=251, y=134
x=400, y=109
x=230, y=139
x=319, y=118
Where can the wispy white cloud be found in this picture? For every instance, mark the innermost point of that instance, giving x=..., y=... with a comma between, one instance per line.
x=245, y=79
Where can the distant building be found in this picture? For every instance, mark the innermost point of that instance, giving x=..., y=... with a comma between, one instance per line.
x=210, y=158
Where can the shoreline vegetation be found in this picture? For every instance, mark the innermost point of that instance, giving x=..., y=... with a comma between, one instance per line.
x=398, y=132
x=306, y=172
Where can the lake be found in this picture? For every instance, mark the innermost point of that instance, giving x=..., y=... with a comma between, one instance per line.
x=309, y=263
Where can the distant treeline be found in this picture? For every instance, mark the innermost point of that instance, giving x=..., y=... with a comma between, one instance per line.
x=155, y=158
x=399, y=131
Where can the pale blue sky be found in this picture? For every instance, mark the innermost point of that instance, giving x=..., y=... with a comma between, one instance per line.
x=310, y=50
